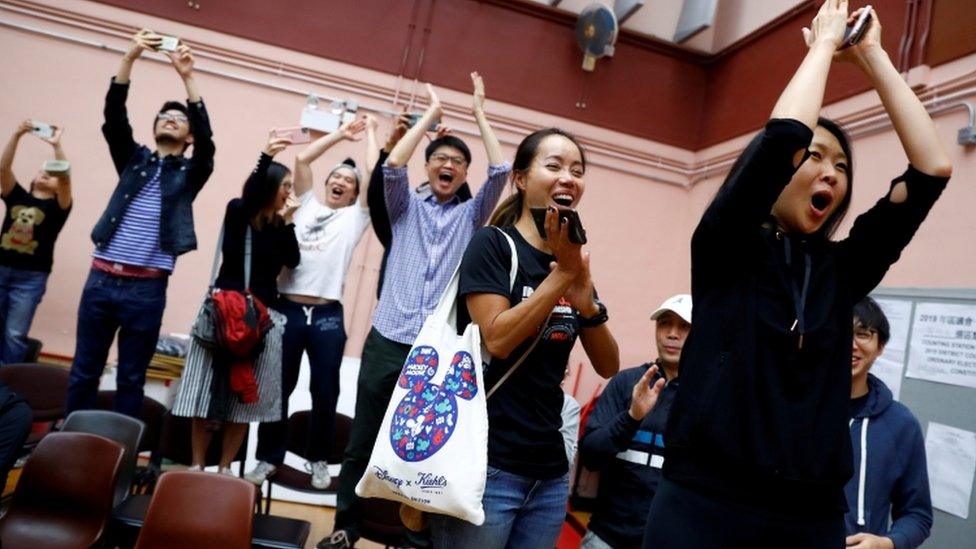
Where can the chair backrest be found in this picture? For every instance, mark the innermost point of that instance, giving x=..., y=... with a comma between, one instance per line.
x=127, y=431
x=193, y=510
x=151, y=413
x=43, y=386
x=174, y=443
x=64, y=495
x=298, y=435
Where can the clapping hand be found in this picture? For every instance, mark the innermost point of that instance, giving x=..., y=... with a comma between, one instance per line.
x=644, y=396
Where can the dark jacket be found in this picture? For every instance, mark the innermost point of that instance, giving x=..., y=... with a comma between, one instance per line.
x=180, y=181
x=273, y=247
x=612, y=443
x=762, y=416
x=893, y=476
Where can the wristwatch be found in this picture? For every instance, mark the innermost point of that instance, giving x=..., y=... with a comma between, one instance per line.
x=596, y=320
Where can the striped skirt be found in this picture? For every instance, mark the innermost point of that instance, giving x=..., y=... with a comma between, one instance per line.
x=193, y=397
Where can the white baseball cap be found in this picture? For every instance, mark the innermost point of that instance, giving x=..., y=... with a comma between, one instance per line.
x=678, y=304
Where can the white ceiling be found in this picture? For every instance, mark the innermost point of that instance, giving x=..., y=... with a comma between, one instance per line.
x=658, y=18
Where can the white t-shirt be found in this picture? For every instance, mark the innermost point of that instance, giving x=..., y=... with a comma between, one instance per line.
x=326, y=238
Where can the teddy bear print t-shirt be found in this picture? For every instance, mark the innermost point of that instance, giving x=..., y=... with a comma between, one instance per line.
x=30, y=227
x=525, y=414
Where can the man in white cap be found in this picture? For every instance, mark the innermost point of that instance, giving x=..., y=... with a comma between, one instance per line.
x=624, y=437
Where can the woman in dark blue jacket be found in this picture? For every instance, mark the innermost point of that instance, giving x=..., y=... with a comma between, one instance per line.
x=758, y=447
x=890, y=477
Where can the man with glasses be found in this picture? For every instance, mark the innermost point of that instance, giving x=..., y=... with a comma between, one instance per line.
x=431, y=229
x=890, y=477
x=148, y=223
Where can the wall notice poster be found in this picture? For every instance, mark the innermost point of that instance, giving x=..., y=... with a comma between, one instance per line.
x=951, y=457
x=943, y=346
x=890, y=366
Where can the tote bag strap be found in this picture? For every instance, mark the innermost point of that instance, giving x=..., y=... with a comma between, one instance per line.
x=511, y=284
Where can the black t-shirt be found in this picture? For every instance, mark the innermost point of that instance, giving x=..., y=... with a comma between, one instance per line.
x=858, y=404
x=30, y=228
x=524, y=414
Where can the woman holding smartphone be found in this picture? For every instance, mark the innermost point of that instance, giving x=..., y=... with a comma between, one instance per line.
x=327, y=233
x=758, y=446
x=31, y=226
x=205, y=390
x=533, y=326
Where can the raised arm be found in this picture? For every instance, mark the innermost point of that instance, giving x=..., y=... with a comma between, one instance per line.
x=404, y=148
x=303, y=161
x=7, y=179
x=116, y=129
x=803, y=96
x=372, y=147
x=914, y=127
x=202, y=162
x=63, y=191
x=492, y=146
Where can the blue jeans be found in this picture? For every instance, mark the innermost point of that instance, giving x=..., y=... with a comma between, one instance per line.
x=20, y=292
x=133, y=307
x=520, y=513
x=320, y=330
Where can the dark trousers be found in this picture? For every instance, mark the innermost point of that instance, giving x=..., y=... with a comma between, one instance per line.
x=379, y=369
x=319, y=330
x=133, y=307
x=681, y=518
x=15, y=426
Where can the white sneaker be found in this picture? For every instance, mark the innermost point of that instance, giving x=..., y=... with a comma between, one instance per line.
x=260, y=473
x=320, y=474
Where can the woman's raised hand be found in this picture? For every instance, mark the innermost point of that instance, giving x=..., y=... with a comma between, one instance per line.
x=870, y=41
x=275, y=144
x=829, y=24
x=569, y=256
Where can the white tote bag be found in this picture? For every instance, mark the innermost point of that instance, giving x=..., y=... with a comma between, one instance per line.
x=431, y=452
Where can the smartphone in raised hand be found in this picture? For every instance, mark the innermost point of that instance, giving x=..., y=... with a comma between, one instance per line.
x=577, y=235
x=297, y=135
x=168, y=43
x=855, y=32
x=43, y=130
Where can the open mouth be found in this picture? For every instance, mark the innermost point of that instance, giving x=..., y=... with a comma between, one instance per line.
x=337, y=192
x=445, y=177
x=821, y=200
x=563, y=200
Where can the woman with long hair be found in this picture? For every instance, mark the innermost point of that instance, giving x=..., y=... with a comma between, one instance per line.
x=311, y=299
x=758, y=447
x=205, y=392
x=537, y=322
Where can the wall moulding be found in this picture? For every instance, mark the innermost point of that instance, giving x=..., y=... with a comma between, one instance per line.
x=608, y=149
